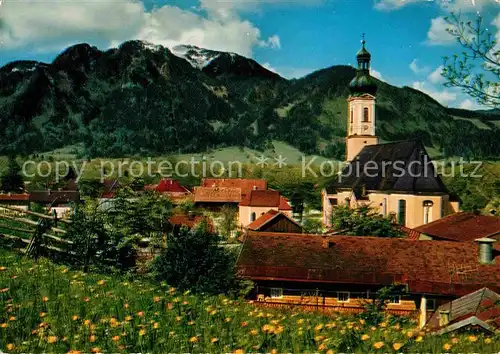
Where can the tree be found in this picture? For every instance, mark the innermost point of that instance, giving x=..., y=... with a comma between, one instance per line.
x=312, y=226
x=228, y=220
x=195, y=261
x=477, y=70
x=12, y=181
x=362, y=221
x=374, y=308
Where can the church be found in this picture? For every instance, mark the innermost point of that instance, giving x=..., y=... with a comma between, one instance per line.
x=398, y=179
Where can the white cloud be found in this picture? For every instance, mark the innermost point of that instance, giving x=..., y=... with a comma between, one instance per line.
x=449, y=5
x=376, y=74
x=418, y=70
x=445, y=97
x=51, y=26
x=437, y=34
x=389, y=5
x=470, y=105
x=435, y=77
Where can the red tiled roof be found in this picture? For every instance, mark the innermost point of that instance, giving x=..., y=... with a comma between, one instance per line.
x=262, y=198
x=266, y=218
x=54, y=197
x=426, y=266
x=14, y=197
x=462, y=227
x=217, y=195
x=167, y=185
x=284, y=205
x=411, y=234
x=189, y=221
x=266, y=198
x=245, y=185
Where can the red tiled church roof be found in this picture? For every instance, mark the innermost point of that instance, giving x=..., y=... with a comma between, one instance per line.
x=411, y=234
x=462, y=227
x=425, y=266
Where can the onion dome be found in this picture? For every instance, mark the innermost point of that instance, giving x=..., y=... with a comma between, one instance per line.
x=363, y=82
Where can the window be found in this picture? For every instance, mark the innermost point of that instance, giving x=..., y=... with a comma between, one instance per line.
x=442, y=208
x=395, y=300
x=252, y=217
x=402, y=212
x=276, y=293
x=431, y=304
x=343, y=296
x=366, y=115
x=352, y=116
x=427, y=211
x=384, y=207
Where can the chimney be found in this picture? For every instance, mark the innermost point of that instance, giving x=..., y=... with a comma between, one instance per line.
x=254, y=187
x=48, y=191
x=444, y=317
x=485, y=250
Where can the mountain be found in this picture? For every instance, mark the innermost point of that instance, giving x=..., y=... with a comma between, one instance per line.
x=141, y=99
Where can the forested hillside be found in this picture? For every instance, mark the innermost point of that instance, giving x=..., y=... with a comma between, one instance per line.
x=144, y=99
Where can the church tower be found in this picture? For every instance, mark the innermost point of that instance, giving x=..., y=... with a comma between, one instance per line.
x=361, y=107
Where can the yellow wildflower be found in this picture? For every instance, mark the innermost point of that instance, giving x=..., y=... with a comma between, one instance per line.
x=447, y=346
x=2, y=268
x=125, y=305
x=95, y=350
x=329, y=351
x=244, y=324
x=140, y=313
x=156, y=299
x=397, y=346
x=101, y=282
x=318, y=327
x=213, y=340
x=487, y=340
x=116, y=338
x=142, y=332
x=92, y=339
x=254, y=332
x=45, y=299
x=86, y=322
x=322, y=346
x=239, y=351
x=10, y=346
x=378, y=345
x=42, y=314
x=227, y=319
x=12, y=318
x=193, y=339
x=74, y=317
x=365, y=337
x=383, y=324
x=419, y=339
x=156, y=325
x=128, y=318
x=52, y=339
x=472, y=338
x=454, y=340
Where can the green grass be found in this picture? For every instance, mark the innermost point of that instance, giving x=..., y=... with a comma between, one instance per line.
x=48, y=308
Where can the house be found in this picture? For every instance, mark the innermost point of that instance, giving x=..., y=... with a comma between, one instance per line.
x=257, y=202
x=171, y=188
x=189, y=221
x=395, y=178
x=479, y=311
x=61, y=202
x=20, y=201
x=274, y=221
x=342, y=273
x=462, y=227
x=217, y=192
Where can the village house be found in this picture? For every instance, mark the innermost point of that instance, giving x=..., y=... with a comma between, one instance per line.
x=258, y=202
x=214, y=193
x=59, y=202
x=274, y=221
x=462, y=227
x=397, y=178
x=16, y=200
x=171, y=188
x=477, y=311
x=343, y=273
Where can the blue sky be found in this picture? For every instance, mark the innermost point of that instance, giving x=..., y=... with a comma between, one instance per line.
x=407, y=38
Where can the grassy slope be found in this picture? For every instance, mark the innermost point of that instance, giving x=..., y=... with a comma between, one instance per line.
x=48, y=308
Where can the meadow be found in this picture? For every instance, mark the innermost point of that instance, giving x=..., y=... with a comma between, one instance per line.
x=50, y=308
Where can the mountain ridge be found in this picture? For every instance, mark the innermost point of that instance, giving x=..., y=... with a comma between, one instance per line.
x=192, y=99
